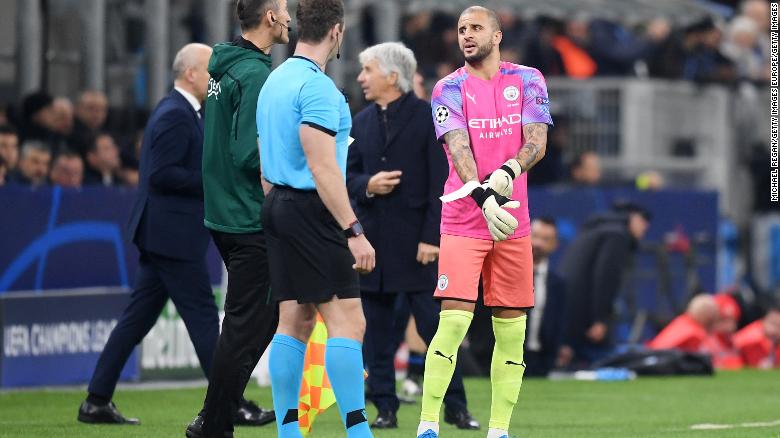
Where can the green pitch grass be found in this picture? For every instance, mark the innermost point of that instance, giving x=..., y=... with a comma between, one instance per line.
x=648, y=407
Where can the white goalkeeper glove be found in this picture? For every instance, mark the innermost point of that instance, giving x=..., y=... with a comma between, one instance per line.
x=500, y=222
x=501, y=180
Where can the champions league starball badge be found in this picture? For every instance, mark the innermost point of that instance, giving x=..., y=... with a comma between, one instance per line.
x=442, y=114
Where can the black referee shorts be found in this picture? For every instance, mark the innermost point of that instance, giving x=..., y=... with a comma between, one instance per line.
x=308, y=256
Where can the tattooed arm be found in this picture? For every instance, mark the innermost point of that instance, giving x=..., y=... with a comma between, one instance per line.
x=535, y=145
x=459, y=145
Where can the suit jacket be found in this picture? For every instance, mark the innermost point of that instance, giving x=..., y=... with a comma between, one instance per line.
x=551, y=328
x=167, y=217
x=400, y=138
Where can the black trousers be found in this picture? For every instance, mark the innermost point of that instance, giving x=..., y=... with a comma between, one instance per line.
x=379, y=347
x=250, y=321
x=158, y=278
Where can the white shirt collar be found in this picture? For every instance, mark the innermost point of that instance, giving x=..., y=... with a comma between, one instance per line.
x=190, y=98
x=542, y=266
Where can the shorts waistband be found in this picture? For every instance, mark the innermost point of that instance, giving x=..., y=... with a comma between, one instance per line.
x=294, y=190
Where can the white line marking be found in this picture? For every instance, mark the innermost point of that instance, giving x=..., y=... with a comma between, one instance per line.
x=712, y=426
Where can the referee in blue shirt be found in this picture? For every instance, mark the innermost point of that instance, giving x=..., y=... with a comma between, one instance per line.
x=316, y=246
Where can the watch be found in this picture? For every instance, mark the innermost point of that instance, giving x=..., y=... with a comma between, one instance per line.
x=354, y=230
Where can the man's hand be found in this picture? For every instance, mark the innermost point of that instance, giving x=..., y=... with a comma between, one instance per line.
x=565, y=355
x=383, y=182
x=361, y=249
x=265, y=185
x=502, y=179
x=427, y=253
x=597, y=332
x=500, y=223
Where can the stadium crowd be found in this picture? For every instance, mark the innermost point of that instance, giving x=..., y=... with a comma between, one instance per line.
x=705, y=50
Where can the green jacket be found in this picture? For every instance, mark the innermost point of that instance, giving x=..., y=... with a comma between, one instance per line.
x=232, y=192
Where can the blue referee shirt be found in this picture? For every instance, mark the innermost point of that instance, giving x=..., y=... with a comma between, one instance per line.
x=296, y=93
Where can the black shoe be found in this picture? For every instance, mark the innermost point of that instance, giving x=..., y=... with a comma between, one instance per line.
x=385, y=420
x=249, y=414
x=461, y=419
x=106, y=414
x=195, y=429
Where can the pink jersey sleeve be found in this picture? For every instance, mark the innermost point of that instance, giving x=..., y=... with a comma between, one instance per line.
x=447, y=108
x=536, y=103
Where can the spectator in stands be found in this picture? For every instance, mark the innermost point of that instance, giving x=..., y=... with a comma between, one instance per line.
x=616, y=50
x=415, y=35
x=395, y=174
x=758, y=11
x=33, y=167
x=572, y=46
x=514, y=35
x=67, y=170
x=102, y=162
x=40, y=120
x=540, y=52
x=419, y=87
x=593, y=267
x=689, y=331
x=3, y=171
x=130, y=157
x=668, y=60
x=759, y=342
x=742, y=47
x=546, y=319
x=63, y=117
x=702, y=60
x=9, y=146
x=4, y=114
x=91, y=114
x=586, y=169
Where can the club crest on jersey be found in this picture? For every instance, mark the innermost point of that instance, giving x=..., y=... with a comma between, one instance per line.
x=443, y=282
x=511, y=93
x=542, y=101
x=442, y=114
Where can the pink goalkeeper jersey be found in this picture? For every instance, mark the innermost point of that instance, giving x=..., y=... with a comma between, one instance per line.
x=493, y=112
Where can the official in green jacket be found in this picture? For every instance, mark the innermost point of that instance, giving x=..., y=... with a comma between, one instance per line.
x=233, y=198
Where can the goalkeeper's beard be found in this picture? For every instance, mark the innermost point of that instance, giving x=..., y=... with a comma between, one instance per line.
x=482, y=53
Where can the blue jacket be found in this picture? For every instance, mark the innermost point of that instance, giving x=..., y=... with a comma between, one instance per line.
x=400, y=138
x=167, y=217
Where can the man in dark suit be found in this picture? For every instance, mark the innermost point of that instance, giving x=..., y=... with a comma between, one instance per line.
x=167, y=226
x=395, y=175
x=545, y=321
x=593, y=267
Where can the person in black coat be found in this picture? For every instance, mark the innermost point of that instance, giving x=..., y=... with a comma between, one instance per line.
x=395, y=175
x=592, y=267
x=167, y=226
x=546, y=319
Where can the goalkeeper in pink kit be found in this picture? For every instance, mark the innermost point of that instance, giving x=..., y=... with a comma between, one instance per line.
x=493, y=118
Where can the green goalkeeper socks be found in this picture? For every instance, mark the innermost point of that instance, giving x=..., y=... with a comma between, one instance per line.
x=506, y=369
x=440, y=360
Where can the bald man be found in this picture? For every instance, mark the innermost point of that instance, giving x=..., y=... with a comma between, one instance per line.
x=688, y=331
x=167, y=226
